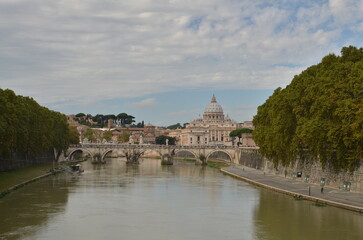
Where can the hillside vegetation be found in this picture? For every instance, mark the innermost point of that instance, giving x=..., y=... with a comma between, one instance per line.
x=320, y=113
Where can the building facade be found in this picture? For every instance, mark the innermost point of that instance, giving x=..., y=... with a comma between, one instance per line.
x=211, y=129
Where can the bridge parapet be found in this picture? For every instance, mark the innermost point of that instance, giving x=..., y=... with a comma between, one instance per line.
x=157, y=146
x=233, y=152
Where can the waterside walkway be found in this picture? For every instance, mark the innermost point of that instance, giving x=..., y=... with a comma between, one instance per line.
x=298, y=188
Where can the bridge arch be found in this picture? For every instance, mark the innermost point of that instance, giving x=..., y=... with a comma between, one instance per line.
x=152, y=153
x=219, y=151
x=79, y=149
x=104, y=154
x=187, y=151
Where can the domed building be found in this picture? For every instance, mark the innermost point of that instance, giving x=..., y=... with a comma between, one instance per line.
x=211, y=129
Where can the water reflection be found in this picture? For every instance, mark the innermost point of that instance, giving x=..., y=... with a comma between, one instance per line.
x=28, y=209
x=150, y=201
x=281, y=217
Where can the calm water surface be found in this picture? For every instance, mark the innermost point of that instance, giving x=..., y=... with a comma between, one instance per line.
x=149, y=201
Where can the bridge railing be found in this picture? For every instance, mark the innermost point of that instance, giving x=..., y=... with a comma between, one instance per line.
x=157, y=146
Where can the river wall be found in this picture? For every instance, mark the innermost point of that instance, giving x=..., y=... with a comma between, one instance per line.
x=311, y=171
x=19, y=160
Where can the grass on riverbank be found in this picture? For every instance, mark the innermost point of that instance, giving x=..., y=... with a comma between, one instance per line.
x=186, y=159
x=217, y=164
x=211, y=163
x=11, y=178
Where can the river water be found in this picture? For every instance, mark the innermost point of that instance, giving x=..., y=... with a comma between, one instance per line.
x=150, y=201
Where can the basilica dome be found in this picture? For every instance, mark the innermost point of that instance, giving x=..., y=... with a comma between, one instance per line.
x=213, y=107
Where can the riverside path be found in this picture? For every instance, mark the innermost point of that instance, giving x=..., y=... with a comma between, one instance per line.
x=298, y=188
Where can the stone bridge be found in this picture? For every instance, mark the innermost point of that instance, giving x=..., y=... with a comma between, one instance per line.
x=231, y=154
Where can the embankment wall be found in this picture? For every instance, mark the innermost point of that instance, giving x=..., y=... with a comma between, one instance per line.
x=311, y=170
x=19, y=160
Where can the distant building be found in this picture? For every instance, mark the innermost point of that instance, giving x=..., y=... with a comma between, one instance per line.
x=175, y=133
x=150, y=133
x=110, y=123
x=247, y=124
x=211, y=129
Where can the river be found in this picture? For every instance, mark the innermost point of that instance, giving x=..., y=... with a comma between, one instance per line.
x=150, y=201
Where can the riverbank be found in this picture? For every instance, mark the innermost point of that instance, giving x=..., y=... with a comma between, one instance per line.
x=15, y=179
x=12, y=180
x=298, y=188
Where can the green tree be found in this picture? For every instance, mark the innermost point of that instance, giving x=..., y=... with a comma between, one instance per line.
x=30, y=128
x=74, y=135
x=122, y=117
x=124, y=136
x=129, y=119
x=162, y=140
x=318, y=114
x=80, y=115
x=90, y=135
x=140, y=124
x=107, y=135
x=175, y=126
x=238, y=132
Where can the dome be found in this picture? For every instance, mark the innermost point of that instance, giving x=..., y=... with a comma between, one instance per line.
x=213, y=106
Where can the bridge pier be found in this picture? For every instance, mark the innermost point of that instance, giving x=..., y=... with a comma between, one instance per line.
x=132, y=156
x=167, y=159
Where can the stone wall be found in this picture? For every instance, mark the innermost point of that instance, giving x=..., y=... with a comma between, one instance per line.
x=251, y=158
x=20, y=160
x=311, y=171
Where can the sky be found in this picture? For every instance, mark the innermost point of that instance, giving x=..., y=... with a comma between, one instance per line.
x=162, y=60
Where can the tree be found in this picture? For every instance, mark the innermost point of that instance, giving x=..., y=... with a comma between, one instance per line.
x=80, y=115
x=318, y=114
x=122, y=117
x=129, y=119
x=175, y=126
x=124, y=136
x=74, y=135
x=238, y=132
x=107, y=135
x=90, y=135
x=29, y=128
x=162, y=140
x=140, y=124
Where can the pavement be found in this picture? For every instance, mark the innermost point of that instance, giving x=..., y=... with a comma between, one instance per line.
x=298, y=188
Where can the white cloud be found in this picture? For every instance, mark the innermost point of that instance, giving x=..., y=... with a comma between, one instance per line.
x=148, y=102
x=346, y=11
x=87, y=51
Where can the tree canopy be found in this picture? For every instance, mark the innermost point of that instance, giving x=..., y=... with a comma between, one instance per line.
x=320, y=113
x=239, y=132
x=175, y=126
x=162, y=140
x=25, y=126
x=124, y=136
x=90, y=134
x=107, y=135
x=100, y=120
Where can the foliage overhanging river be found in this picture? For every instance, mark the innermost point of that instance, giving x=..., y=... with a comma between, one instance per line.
x=150, y=201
